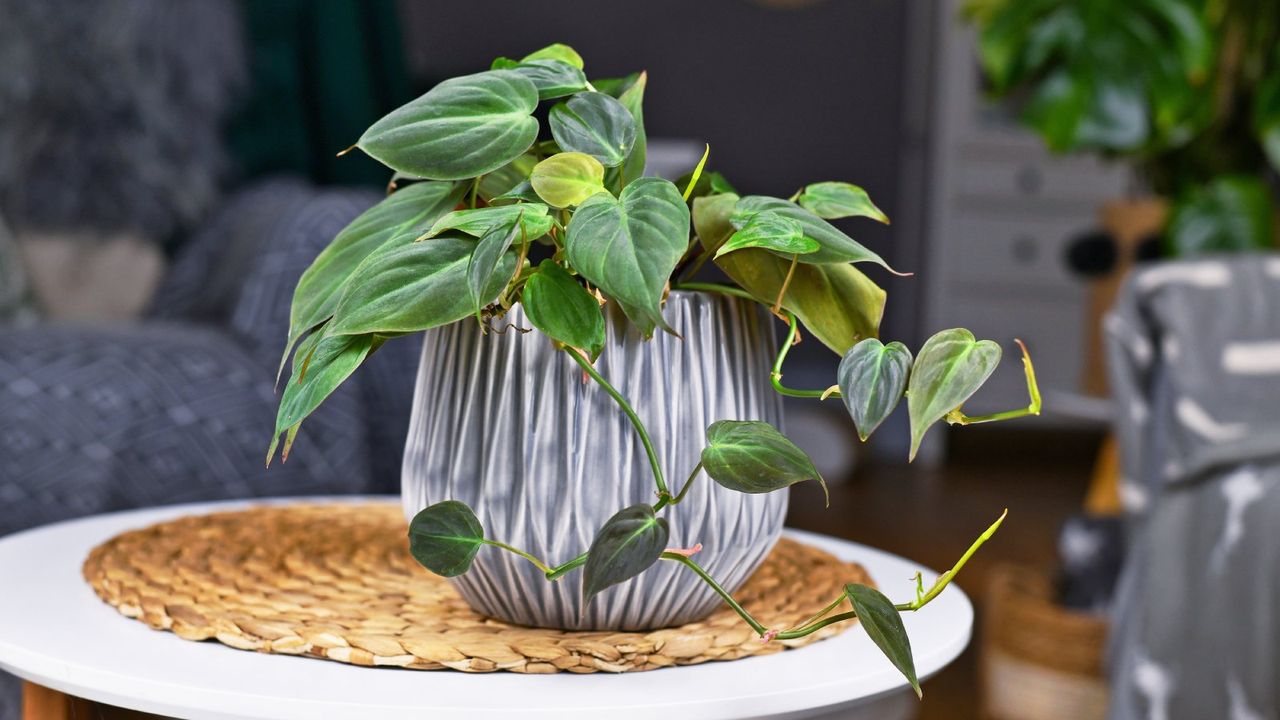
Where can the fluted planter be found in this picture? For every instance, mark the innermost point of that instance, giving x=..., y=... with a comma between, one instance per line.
x=505, y=423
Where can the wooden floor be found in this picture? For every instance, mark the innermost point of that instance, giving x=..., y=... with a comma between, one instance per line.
x=933, y=515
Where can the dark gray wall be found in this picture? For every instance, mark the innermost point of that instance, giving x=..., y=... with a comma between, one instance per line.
x=785, y=96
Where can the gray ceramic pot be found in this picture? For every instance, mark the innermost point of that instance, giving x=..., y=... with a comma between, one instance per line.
x=505, y=423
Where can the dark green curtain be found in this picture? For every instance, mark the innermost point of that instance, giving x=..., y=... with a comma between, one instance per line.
x=322, y=72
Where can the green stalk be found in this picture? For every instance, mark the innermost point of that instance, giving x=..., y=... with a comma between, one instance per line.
x=589, y=369
x=776, y=376
x=724, y=594
x=537, y=563
x=715, y=287
x=559, y=571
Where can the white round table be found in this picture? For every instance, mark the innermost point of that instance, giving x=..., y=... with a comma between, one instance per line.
x=55, y=632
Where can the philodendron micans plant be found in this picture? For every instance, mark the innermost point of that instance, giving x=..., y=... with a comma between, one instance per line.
x=479, y=191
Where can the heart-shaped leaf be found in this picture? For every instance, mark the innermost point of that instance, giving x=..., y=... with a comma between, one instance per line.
x=837, y=303
x=567, y=179
x=833, y=245
x=327, y=362
x=556, y=51
x=949, y=369
x=461, y=128
x=553, y=78
x=482, y=221
x=596, y=124
x=625, y=546
x=628, y=246
x=872, y=376
x=753, y=457
x=444, y=538
x=562, y=309
x=413, y=287
x=884, y=626
x=401, y=217
x=521, y=192
x=482, y=268
x=630, y=92
x=772, y=232
x=832, y=200
x=506, y=178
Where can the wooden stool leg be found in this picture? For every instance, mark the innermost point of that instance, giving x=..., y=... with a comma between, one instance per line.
x=41, y=703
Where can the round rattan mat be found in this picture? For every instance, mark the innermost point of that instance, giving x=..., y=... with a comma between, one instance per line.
x=337, y=582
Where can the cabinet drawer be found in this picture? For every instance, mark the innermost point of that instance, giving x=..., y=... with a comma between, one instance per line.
x=1081, y=181
x=1022, y=252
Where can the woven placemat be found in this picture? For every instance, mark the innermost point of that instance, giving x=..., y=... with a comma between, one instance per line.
x=337, y=582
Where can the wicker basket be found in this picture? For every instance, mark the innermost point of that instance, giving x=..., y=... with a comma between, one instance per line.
x=1039, y=661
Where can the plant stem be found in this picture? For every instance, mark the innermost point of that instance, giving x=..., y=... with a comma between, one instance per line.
x=945, y=578
x=782, y=292
x=538, y=563
x=776, y=376
x=956, y=417
x=687, y=484
x=715, y=287
x=724, y=594
x=589, y=369
x=558, y=571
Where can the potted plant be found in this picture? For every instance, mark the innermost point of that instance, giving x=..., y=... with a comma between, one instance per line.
x=573, y=371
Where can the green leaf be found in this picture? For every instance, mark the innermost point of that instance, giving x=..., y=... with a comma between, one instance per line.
x=831, y=200
x=567, y=179
x=522, y=192
x=508, y=177
x=753, y=457
x=413, y=287
x=444, y=538
x=1229, y=214
x=884, y=626
x=556, y=51
x=772, y=232
x=837, y=303
x=461, y=128
x=482, y=221
x=562, y=309
x=553, y=78
x=596, y=124
x=950, y=368
x=399, y=218
x=625, y=546
x=482, y=268
x=327, y=361
x=630, y=92
x=872, y=376
x=628, y=246
x=834, y=246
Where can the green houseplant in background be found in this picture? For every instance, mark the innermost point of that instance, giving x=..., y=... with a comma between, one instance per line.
x=487, y=212
x=1188, y=91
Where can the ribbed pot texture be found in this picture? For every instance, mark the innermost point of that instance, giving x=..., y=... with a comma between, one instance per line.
x=505, y=423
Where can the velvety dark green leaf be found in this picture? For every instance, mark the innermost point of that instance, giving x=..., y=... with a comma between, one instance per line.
x=482, y=268
x=884, y=626
x=632, y=98
x=1229, y=214
x=770, y=231
x=553, y=78
x=328, y=361
x=950, y=368
x=872, y=376
x=832, y=200
x=558, y=305
x=596, y=124
x=836, y=303
x=753, y=457
x=401, y=217
x=444, y=538
x=507, y=178
x=567, y=179
x=413, y=287
x=461, y=128
x=625, y=546
x=556, y=51
x=834, y=246
x=479, y=222
x=628, y=246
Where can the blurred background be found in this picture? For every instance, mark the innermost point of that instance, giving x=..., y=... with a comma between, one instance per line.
x=168, y=169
